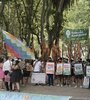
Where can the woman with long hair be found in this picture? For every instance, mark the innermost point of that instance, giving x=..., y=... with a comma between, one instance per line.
x=16, y=76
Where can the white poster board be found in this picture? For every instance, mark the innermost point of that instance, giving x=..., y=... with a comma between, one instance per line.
x=78, y=69
x=86, y=82
x=59, y=69
x=88, y=71
x=50, y=68
x=38, y=78
x=66, y=69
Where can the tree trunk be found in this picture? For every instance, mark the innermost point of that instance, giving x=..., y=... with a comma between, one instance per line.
x=42, y=21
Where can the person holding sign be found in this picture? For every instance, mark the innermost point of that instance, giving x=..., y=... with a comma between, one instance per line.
x=72, y=74
x=59, y=72
x=2, y=75
x=37, y=66
x=66, y=73
x=86, y=75
x=79, y=73
x=88, y=71
x=50, y=68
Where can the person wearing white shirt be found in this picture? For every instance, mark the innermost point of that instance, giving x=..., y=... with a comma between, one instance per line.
x=37, y=66
x=7, y=66
x=7, y=70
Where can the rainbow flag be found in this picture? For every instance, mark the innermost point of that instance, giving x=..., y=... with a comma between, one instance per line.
x=15, y=48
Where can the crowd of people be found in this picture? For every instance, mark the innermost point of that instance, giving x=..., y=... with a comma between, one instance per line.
x=14, y=72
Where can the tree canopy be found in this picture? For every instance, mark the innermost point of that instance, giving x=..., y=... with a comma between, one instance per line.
x=42, y=22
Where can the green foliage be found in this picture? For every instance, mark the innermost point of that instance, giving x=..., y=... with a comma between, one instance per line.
x=32, y=19
x=77, y=16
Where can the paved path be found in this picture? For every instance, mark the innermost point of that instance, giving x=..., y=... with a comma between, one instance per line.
x=61, y=91
x=75, y=93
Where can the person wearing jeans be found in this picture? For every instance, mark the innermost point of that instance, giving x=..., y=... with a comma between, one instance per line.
x=50, y=68
x=50, y=79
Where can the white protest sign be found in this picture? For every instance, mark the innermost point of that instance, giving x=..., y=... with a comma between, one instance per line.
x=38, y=78
x=66, y=69
x=88, y=71
x=59, y=69
x=78, y=69
x=50, y=67
x=86, y=82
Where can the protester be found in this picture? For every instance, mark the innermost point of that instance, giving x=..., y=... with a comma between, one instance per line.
x=26, y=73
x=11, y=72
x=16, y=76
x=1, y=74
x=7, y=66
x=37, y=66
x=59, y=72
x=79, y=73
x=72, y=74
x=7, y=80
x=50, y=73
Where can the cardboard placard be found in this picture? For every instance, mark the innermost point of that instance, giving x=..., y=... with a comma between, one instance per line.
x=66, y=69
x=88, y=71
x=50, y=68
x=38, y=78
x=78, y=69
x=59, y=69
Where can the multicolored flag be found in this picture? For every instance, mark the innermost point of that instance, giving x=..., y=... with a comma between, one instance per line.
x=15, y=48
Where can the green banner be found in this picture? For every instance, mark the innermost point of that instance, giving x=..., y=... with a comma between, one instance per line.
x=76, y=34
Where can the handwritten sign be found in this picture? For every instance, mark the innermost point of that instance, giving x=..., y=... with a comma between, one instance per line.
x=78, y=69
x=66, y=69
x=59, y=69
x=88, y=71
x=50, y=67
x=38, y=78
